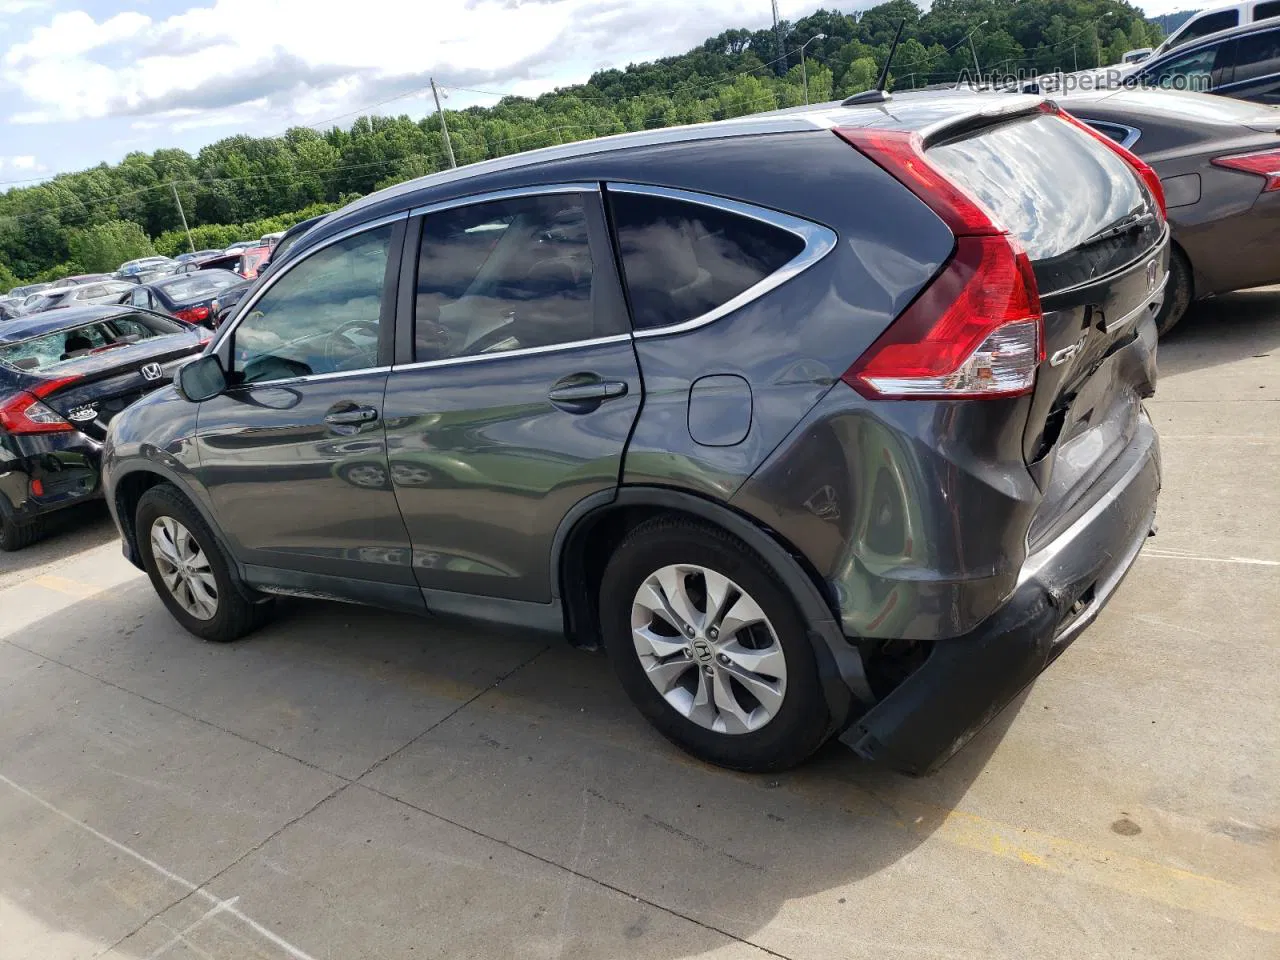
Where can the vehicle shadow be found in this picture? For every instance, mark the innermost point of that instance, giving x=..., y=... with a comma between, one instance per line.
x=1234, y=326
x=66, y=533
x=549, y=760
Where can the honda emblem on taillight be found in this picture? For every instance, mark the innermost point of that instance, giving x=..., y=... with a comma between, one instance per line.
x=152, y=371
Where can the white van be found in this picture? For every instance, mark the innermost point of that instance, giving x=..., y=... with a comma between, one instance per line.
x=1212, y=19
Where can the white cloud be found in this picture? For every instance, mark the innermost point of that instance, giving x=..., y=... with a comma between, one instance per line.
x=21, y=162
x=296, y=61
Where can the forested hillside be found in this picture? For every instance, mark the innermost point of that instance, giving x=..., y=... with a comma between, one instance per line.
x=242, y=186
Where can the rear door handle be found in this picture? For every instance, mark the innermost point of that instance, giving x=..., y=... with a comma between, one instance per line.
x=587, y=392
x=352, y=416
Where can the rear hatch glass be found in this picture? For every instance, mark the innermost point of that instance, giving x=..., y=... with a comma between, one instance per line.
x=1058, y=193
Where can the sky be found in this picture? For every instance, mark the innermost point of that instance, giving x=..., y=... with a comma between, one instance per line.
x=86, y=81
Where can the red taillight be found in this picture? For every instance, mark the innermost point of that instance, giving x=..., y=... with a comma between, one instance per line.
x=975, y=330
x=1265, y=165
x=901, y=154
x=24, y=413
x=1143, y=169
x=193, y=314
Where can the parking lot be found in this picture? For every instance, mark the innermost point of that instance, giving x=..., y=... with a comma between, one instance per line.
x=350, y=783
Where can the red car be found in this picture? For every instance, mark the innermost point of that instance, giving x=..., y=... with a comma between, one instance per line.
x=250, y=260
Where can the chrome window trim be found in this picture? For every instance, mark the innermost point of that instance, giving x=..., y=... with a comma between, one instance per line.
x=246, y=307
x=1131, y=134
x=309, y=378
x=513, y=193
x=523, y=352
x=818, y=242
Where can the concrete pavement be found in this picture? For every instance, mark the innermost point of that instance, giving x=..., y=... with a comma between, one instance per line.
x=350, y=783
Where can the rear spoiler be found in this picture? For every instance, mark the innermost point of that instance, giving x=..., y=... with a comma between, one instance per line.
x=962, y=124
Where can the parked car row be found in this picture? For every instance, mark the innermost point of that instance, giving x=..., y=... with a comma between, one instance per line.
x=246, y=260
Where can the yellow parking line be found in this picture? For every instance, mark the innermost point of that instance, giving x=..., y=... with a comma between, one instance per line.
x=1136, y=876
x=72, y=588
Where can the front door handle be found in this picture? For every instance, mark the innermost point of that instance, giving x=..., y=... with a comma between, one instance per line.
x=588, y=392
x=351, y=416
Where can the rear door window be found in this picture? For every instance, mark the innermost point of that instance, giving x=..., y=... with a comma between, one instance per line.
x=511, y=275
x=1265, y=11
x=681, y=260
x=1058, y=191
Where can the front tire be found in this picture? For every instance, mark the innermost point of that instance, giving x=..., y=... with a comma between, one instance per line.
x=710, y=648
x=188, y=570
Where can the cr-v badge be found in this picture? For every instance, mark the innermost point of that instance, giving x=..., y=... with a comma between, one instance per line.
x=1066, y=353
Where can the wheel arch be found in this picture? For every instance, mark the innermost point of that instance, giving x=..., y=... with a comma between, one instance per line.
x=127, y=488
x=591, y=530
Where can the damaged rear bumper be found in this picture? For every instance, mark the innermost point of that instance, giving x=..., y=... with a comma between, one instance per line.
x=1061, y=588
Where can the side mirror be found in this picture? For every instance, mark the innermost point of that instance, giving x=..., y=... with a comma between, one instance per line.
x=201, y=379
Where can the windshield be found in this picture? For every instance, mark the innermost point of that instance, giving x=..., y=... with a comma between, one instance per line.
x=194, y=285
x=47, y=351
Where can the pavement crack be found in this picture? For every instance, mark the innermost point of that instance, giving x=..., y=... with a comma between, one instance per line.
x=448, y=716
x=579, y=874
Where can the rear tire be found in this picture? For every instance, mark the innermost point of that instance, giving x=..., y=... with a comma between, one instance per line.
x=14, y=535
x=700, y=689
x=1177, y=296
x=189, y=571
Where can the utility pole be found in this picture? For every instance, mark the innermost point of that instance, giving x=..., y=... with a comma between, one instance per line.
x=804, y=73
x=1075, y=61
x=782, y=49
x=178, y=200
x=444, y=127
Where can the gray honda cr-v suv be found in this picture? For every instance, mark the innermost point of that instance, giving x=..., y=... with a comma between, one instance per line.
x=823, y=422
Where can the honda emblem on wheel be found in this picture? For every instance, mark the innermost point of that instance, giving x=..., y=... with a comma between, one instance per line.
x=152, y=371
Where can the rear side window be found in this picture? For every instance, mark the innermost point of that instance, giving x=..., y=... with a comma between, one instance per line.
x=1210, y=23
x=1055, y=188
x=1257, y=55
x=1265, y=11
x=681, y=260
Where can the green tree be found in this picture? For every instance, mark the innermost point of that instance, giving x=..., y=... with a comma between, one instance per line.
x=103, y=247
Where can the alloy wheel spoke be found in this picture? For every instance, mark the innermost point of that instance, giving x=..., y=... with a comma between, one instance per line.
x=664, y=674
x=718, y=588
x=732, y=717
x=770, y=662
x=162, y=541
x=650, y=598
x=768, y=692
x=674, y=589
x=659, y=646
x=743, y=613
x=702, y=710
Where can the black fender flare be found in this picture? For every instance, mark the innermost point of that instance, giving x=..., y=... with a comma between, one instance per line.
x=129, y=535
x=840, y=664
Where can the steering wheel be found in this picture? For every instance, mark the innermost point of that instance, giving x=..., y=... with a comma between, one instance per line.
x=338, y=346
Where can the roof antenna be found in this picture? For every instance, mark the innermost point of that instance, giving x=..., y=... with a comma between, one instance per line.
x=878, y=94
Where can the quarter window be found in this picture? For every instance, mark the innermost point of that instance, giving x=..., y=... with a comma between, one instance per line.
x=681, y=260
x=509, y=275
x=320, y=317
